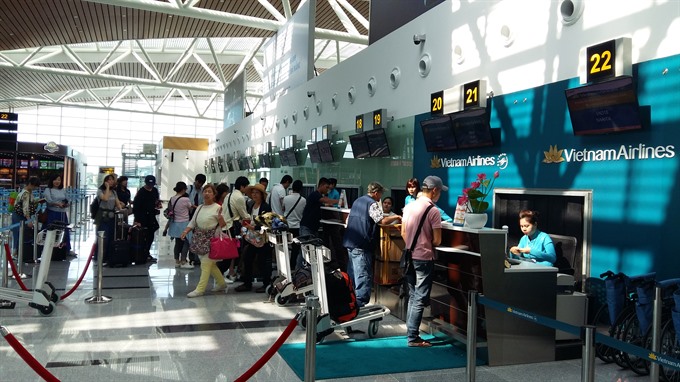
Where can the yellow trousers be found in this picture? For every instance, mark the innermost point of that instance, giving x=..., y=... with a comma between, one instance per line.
x=209, y=268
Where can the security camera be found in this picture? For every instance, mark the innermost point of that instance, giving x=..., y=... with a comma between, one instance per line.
x=310, y=94
x=418, y=38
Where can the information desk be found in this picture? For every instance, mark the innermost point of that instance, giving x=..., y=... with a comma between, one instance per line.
x=473, y=259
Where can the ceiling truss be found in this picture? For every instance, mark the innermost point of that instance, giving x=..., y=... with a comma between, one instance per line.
x=141, y=75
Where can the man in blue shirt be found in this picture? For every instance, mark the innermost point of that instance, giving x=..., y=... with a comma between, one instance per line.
x=361, y=239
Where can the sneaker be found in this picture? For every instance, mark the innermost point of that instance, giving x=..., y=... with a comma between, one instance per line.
x=219, y=288
x=229, y=279
x=419, y=343
x=244, y=288
x=194, y=293
x=186, y=266
x=178, y=264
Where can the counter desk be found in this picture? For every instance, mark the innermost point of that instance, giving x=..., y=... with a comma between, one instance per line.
x=474, y=259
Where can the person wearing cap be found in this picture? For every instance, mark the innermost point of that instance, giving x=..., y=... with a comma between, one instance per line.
x=263, y=254
x=419, y=277
x=145, y=208
x=361, y=239
x=180, y=206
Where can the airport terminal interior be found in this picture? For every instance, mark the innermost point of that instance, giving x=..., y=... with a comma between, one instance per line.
x=151, y=331
x=564, y=107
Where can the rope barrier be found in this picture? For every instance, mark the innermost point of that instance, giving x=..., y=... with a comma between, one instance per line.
x=269, y=353
x=646, y=354
x=87, y=266
x=15, y=273
x=27, y=357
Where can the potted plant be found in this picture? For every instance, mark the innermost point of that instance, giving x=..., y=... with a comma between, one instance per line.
x=474, y=198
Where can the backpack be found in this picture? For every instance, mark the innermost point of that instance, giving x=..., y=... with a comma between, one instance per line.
x=342, y=301
x=169, y=212
x=94, y=207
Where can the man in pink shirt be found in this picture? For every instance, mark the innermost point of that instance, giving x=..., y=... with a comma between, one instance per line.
x=419, y=277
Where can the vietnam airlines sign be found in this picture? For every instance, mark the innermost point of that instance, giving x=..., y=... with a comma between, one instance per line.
x=624, y=152
x=500, y=160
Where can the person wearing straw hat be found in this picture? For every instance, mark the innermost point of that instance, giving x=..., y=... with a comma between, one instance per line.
x=263, y=254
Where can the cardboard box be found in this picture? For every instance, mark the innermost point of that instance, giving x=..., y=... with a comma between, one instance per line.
x=391, y=244
x=386, y=273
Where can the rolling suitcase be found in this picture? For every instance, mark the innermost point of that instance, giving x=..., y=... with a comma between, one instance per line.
x=120, y=248
x=138, y=245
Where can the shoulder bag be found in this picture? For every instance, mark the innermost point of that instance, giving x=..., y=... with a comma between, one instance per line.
x=293, y=208
x=200, y=240
x=406, y=262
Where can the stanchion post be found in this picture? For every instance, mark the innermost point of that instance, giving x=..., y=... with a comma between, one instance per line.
x=656, y=334
x=471, y=346
x=98, y=298
x=20, y=248
x=5, y=268
x=313, y=306
x=588, y=353
x=34, y=258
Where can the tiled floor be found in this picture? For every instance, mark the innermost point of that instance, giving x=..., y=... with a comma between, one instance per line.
x=152, y=332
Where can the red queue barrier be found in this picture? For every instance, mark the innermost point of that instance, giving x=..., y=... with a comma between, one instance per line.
x=14, y=268
x=87, y=266
x=27, y=357
x=65, y=295
x=269, y=353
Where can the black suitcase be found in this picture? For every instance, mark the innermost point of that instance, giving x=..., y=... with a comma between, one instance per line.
x=120, y=248
x=138, y=245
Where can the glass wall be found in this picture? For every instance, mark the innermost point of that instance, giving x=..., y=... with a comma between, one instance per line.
x=101, y=134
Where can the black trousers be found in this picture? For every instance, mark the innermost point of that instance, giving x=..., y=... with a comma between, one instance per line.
x=263, y=257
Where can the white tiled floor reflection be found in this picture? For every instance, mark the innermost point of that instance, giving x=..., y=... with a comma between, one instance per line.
x=152, y=332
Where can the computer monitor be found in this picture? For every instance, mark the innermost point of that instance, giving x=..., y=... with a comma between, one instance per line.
x=313, y=151
x=325, y=151
x=438, y=134
x=377, y=143
x=359, y=146
x=471, y=128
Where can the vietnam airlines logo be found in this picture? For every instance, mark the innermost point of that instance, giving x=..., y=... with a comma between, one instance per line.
x=553, y=155
x=435, y=163
x=509, y=310
x=652, y=356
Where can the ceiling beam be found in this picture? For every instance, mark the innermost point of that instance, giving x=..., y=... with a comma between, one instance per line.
x=228, y=18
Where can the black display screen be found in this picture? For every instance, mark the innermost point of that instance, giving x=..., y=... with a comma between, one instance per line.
x=377, y=143
x=314, y=155
x=230, y=163
x=471, y=128
x=325, y=151
x=265, y=160
x=605, y=107
x=359, y=146
x=288, y=157
x=438, y=134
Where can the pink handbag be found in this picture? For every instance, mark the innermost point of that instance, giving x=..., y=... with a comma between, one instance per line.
x=223, y=247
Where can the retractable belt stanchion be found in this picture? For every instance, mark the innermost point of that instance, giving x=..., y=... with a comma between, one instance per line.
x=654, y=369
x=98, y=298
x=20, y=249
x=5, y=268
x=313, y=306
x=588, y=354
x=471, y=346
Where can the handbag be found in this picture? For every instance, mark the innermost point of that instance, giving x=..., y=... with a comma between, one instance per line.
x=253, y=237
x=200, y=240
x=223, y=247
x=406, y=261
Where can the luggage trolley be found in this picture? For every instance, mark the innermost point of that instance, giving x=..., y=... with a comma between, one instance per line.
x=44, y=299
x=282, y=288
x=316, y=254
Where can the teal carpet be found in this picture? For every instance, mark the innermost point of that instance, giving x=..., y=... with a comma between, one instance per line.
x=390, y=355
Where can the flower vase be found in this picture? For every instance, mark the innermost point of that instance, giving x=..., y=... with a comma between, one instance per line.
x=475, y=220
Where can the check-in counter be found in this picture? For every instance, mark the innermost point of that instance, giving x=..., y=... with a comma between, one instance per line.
x=474, y=259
